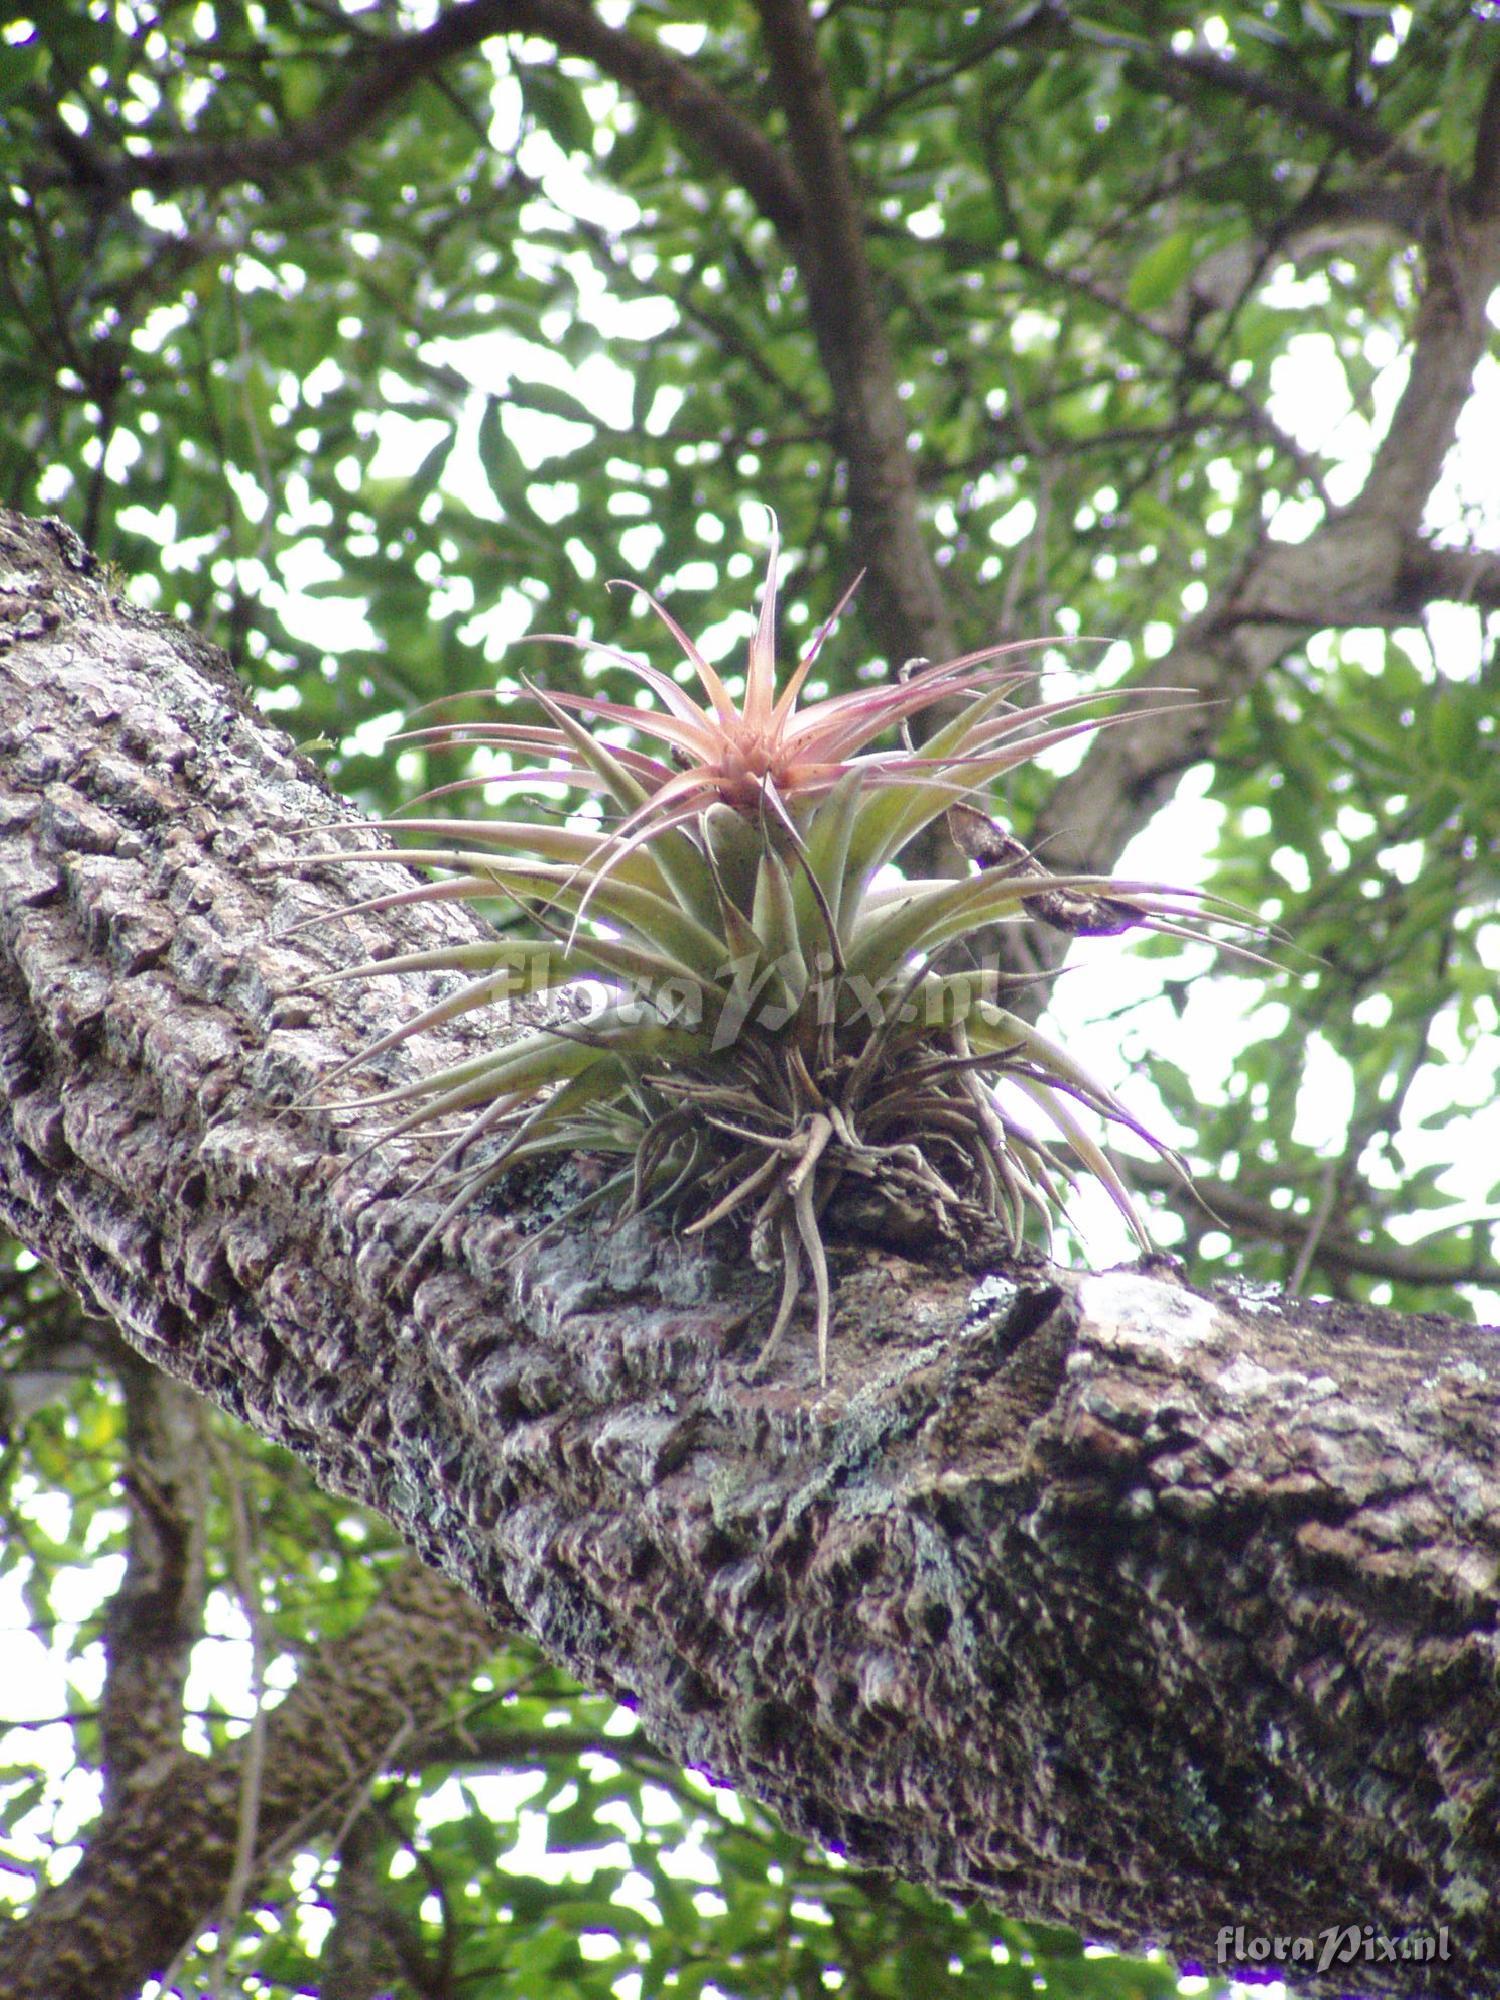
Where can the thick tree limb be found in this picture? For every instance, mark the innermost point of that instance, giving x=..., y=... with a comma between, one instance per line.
x=1457, y=576
x=1132, y=1608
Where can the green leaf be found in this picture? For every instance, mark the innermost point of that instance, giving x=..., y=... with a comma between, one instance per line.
x=1160, y=274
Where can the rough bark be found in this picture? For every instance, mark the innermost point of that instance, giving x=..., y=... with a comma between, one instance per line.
x=1134, y=1608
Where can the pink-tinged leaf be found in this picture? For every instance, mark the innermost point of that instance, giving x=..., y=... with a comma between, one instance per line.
x=717, y=693
x=701, y=738
x=760, y=674
x=794, y=685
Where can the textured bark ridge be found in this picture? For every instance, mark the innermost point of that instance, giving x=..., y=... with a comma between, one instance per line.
x=1138, y=1609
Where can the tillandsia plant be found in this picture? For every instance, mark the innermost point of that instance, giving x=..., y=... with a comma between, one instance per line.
x=789, y=1024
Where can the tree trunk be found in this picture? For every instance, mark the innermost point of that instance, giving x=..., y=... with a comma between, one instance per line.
x=1151, y=1612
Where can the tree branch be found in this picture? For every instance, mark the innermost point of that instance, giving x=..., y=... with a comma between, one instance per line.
x=1353, y=129
x=663, y=83
x=1336, y=1248
x=910, y=615
x=825, y=237
x=155, y=1617
x=1088, y=1593
x=1330, y=217
x=1482, y=194
x=1349, y=570
x=1457, y=576
x=157, y=1862
x=1030, y=22
x=1193, y=366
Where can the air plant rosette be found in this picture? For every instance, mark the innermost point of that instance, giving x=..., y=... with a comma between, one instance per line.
x=785, y=1023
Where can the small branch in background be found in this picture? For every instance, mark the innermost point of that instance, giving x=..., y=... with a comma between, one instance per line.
x=370, y=1943
x=1229, y=1205
x=1328, y=1194
x=155, y=1616
x=1353, y=129
x=245, y=1568
x=1482, y=194
x=907, y=601
x=662, y=82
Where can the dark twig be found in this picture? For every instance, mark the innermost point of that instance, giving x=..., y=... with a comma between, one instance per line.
x=671, y=88
x=1338, y=1247
x=1354, y=129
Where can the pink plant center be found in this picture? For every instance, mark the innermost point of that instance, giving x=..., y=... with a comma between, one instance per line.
x=746, y=762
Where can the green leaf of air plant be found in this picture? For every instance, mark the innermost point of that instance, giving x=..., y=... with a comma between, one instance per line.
x=940, y=1000
x=926, y=915
x=775, y=920
x=658, y=923
x=825, y=863
x=993, y=1029
x=1093, y=1156
x=958, y=765
x=550, y=1125
x=657, y=866
x=559, y=1122
x=734, y=846
x=506, y=1079
x=479, y=956
x=625, y=791
x=891, y=815
x=582, y=847
x=514, y=1070
x=747, y=951
x=519, y=965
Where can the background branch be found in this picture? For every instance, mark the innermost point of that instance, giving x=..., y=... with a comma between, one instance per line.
x=664, y=84
x=1349, y=566
x=910, y=616
x=160, y=1860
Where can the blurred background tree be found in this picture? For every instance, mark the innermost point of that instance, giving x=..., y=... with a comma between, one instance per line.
x=370, y=340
